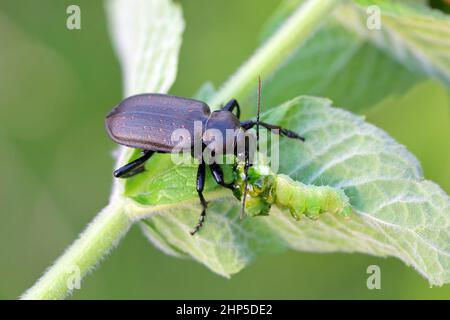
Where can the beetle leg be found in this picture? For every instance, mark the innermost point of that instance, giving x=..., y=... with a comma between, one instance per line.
x=134, y=167
x=217, y=173
x=200, y=185
x=283, y=132
x=230, y=107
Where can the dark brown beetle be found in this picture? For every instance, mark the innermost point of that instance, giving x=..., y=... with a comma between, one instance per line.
x=146, y=121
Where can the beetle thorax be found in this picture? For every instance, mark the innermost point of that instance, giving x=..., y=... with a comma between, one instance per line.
x=220, y=131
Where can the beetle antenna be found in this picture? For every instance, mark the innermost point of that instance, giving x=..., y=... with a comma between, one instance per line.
x=247, y=164
x=257, y=113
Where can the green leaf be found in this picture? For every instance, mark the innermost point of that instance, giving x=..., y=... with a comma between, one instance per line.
x=340, y=65
x=357, y=67
x=415, y=35
x=147, y=39
x=147, y=36
x=397, y=212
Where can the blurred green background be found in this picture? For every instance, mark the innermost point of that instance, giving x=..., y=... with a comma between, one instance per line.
x=56, y=86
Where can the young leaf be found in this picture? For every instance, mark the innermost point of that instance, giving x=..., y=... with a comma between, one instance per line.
x=147, y=37
x=338, y=64
x=398, y=212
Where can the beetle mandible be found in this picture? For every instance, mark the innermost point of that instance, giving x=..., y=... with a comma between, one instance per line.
x=146, y=121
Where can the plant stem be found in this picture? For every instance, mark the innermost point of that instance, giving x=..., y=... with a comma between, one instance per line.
x=297, y=28
x=83, y=255
x=112, y=222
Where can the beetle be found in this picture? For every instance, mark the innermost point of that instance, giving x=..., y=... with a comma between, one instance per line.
x=146, y=122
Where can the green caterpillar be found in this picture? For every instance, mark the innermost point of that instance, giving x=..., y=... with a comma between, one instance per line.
x=266, y=188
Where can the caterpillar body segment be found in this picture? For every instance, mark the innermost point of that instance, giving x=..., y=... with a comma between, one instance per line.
x=266, y=189
x=309, y=200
